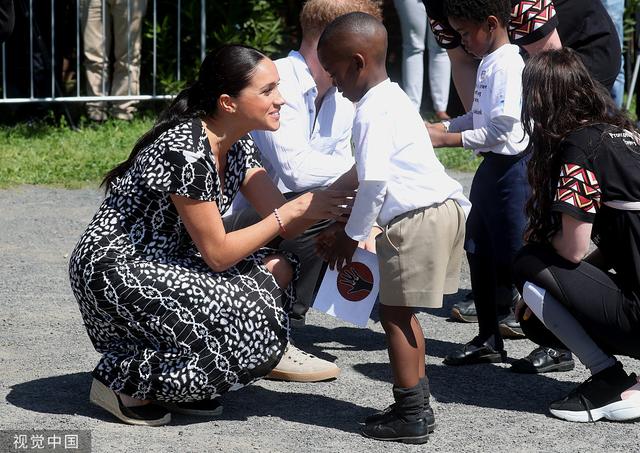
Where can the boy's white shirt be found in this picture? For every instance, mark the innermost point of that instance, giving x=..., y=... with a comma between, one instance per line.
x=397, y=168
x=493, y=124
x=308, y=151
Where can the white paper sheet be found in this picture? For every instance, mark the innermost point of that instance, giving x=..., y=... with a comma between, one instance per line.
x=351, y=293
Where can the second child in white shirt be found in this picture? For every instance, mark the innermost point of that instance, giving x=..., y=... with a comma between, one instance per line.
x=492, y=129
x=403, y=186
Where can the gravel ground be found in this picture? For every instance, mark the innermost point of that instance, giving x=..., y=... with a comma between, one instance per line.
x=46, y=358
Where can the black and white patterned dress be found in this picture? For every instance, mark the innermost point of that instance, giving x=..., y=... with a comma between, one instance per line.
x=168, y=327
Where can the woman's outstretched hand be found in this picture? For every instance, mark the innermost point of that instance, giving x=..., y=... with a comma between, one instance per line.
x=326, y=204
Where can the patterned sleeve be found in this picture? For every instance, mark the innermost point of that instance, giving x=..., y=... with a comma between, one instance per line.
x=578, y=192
x=531, y=20
x=251, y=154
x=182, y=169
x=446, y=37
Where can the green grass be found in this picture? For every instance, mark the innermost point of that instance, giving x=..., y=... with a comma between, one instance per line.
x=59, y=156
x=51, y=155
x=458, y=159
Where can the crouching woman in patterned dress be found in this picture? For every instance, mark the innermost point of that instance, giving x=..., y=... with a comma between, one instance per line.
x=181, y=310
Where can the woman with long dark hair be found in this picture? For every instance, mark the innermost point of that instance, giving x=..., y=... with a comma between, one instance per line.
x=585, y=179
x=181, y=310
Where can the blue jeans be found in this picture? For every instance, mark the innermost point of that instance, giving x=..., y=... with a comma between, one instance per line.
x=413, y=25
x=615, y=8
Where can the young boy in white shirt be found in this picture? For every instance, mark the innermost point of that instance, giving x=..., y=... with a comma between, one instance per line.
x=492, y=129
x=421, y=209
x=311, y=149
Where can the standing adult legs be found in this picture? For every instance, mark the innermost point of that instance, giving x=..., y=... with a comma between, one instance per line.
x=439, y=76
x=413, y=25
x=615, y=8
x=127, y=28
x=96, y=34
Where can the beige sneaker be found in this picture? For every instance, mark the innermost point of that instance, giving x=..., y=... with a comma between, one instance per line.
x=299, y=366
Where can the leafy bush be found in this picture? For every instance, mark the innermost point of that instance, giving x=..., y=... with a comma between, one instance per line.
x=256, y=23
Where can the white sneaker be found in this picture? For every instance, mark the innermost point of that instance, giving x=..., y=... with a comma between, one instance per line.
x=299, y=366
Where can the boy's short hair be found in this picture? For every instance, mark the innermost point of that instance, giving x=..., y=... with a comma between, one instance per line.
x=479, y=10
x=317, y=14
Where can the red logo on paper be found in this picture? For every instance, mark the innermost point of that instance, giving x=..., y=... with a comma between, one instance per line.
x=355, y=281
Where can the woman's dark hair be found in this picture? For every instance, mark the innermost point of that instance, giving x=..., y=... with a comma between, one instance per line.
x=558, y=96
x=226, y=70
x=478, y=10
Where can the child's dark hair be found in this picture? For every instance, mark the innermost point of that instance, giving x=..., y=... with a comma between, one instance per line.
x=558, y=96
x=479, y=10
x=226, y=70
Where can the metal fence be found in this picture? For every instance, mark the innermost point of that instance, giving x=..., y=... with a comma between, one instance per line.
x=80, y=91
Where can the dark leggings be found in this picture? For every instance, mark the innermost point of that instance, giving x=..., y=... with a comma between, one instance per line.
x=597, y=300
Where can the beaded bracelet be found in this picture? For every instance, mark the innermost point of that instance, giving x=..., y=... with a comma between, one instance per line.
x=277, y=214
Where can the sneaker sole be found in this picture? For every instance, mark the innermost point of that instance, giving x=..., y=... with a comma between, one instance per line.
x=104, y=397
x=620, y=411
x=291, y=376
x=455, y=314
x=404, y=440
x=508, y=332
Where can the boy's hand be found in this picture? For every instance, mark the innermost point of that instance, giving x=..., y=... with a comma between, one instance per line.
x=434, y=127
x=441, y=138
x=370, y=244
x=327, y=237
x=335, y=247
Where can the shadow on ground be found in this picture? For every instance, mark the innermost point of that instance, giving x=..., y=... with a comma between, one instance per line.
x=315, y=339
x=59, y=395
x=484, y=385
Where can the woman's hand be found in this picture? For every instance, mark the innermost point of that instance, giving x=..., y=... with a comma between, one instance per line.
x=322, y=204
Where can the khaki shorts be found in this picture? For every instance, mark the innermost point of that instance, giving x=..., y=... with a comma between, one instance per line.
x=420, y=255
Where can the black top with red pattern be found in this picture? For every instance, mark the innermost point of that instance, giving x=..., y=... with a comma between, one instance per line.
x=600, y=164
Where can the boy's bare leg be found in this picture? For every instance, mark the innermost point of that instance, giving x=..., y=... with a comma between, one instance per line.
x=419, y=335
x=406, y=344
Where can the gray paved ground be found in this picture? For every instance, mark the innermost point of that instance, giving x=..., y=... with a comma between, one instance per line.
x=46, y=357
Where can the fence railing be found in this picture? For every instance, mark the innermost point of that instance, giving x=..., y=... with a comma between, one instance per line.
x=36, y=39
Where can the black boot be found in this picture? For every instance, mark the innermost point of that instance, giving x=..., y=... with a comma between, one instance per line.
x=428, y=411
x=405, y=422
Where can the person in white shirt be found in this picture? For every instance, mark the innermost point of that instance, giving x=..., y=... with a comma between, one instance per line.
x=500, y=189
x=310, y=150
x=403, y=186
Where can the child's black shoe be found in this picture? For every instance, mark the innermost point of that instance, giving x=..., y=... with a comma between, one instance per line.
x=405, y=421
x=428, y=415
x=393, y=427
